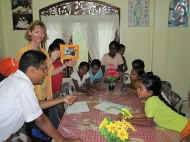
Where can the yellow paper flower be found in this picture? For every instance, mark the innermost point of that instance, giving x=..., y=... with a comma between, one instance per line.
x=122, y=134
x=111, y=128
x=126, y=113
x=104, y=123
x=129, y=125
x=116, y=130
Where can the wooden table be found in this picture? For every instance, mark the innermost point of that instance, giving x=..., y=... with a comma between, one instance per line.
x=85, y=125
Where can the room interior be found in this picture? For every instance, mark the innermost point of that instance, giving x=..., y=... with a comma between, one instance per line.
x=164, y=49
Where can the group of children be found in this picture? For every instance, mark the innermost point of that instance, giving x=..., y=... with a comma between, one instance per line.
x=147, y=85
x=87, y=74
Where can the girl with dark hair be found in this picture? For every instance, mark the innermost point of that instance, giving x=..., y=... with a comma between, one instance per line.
x=136, y=72
x=58, y=66
x=155, y=108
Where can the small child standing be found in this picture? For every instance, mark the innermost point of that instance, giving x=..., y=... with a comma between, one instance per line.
x=112, y=59
x=58, y=66
x=149, y=88
x=57, y=75
x=81, y=77
x=57, y=72
x=95, y=72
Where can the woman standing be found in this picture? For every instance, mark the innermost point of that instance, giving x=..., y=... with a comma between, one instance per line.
x=36, y=35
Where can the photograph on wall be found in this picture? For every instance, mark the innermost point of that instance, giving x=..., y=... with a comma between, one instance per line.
x=138, y=13
x=21, y=14
x=178, y=13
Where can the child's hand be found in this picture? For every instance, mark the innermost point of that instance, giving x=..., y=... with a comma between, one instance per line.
x=70, y=99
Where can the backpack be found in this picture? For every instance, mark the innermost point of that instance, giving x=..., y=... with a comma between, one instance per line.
x=171, y=97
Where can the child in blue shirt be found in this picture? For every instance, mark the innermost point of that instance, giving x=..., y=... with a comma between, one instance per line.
x=95, y=72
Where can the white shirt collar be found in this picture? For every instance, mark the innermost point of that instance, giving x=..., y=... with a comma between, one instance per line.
x=21, y=74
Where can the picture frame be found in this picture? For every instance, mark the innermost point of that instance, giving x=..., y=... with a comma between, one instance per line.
x=69, y=52
x=21, y=14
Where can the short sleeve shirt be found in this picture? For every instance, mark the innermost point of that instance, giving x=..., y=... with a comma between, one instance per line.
x=107, y=60
x=97, y=76
x=75, y=76
x=163, y=115
x=18, y=104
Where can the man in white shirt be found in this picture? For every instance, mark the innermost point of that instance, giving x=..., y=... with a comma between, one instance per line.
x=18, y=103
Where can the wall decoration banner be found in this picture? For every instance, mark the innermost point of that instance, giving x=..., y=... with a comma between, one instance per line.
x=178, y=13
x=22, y=14
x=138, y=13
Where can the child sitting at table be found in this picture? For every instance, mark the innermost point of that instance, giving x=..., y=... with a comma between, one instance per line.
x=81, y=77
x=95, y=72
x=136, y=72
x=163, y=115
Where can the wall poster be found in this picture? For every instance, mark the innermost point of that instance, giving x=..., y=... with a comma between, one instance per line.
x=178, y=13
x=21, y=14
x=138, y=13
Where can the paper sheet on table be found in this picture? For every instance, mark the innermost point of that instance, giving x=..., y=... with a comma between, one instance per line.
x=110, y=107
x=77, y=107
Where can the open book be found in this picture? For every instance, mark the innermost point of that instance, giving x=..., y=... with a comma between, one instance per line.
x=110, y=107
x=77, y=107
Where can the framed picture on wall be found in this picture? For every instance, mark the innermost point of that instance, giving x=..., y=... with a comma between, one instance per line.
x=138, y=13
x=178, y=13
x=21, y=14
x=69, y=52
